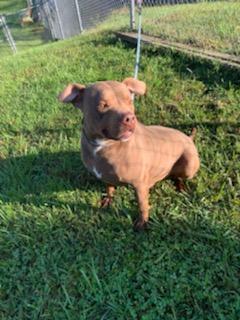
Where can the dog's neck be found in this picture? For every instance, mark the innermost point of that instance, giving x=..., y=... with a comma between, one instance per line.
x=93, y=142
x=97, y=144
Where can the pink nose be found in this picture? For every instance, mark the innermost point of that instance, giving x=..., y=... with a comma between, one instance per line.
x=129, y=120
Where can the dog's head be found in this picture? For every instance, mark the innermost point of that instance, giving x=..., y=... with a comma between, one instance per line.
x=107, y=107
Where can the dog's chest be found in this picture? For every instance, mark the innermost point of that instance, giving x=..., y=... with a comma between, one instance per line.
x=98, y=164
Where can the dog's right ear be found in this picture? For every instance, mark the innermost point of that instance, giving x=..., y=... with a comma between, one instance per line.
x=73, y=93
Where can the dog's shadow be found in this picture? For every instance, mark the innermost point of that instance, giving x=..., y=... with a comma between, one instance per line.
x=33, y=178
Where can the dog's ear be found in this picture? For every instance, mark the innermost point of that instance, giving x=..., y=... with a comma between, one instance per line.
x=135, y=86
x=73, y=93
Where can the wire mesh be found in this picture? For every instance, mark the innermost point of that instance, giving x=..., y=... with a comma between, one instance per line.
x=66, y=18
x=204, y=24
x=94, y=11
x=25, y=29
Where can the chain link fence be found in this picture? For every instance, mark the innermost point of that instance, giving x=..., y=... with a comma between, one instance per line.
x=22, y=30
x=206, y=24
x=45, y=20
x=66, y=18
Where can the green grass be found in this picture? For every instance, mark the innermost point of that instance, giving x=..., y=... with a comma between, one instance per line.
x=207, y=25
x=64, y=258
x=213, y=25
x=11, y=6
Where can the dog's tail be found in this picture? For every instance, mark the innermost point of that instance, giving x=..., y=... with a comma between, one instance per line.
x=193, y=134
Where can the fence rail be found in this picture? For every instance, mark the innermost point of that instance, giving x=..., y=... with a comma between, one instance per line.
x=7, y=34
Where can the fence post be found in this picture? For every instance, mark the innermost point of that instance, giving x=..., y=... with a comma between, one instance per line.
x=29, y=3
x=8, y=34
x=48, y=19
x=79, y=16
x=59, y=19
x=132, y=14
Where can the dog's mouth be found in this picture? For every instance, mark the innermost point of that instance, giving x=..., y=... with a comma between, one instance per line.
x=126, y=135
x=123, y=136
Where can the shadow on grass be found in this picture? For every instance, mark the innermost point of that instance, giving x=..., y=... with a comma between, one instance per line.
x=187, y=263
x=60, y=264
x=189, y=268
x=210, y=73
x=33, y=178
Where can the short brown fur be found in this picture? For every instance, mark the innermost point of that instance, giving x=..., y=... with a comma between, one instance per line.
x=118, y=149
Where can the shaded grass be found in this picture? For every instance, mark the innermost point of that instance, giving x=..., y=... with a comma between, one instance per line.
x=64, y=258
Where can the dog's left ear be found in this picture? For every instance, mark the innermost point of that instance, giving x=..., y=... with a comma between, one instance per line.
x=135, y=86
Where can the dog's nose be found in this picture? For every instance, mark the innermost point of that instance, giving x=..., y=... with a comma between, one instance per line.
x=129, y=119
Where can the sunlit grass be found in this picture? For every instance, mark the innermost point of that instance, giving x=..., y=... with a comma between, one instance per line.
x=64, y=258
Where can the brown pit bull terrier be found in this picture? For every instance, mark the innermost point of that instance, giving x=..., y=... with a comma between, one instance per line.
x=118, y=149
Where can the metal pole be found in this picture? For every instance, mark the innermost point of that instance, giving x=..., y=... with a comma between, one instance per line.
x=59, y=19
x=79, y=16
x=132, y=14
x=8, y=34
x=138, y=39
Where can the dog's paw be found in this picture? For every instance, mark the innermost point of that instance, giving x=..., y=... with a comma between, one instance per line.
x=140, y=225
x=180, y=185
x=106, y=202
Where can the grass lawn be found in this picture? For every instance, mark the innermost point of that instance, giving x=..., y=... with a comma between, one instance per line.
x=11, y=6
x=207, y=25
x=213, y=25
x=64, y=258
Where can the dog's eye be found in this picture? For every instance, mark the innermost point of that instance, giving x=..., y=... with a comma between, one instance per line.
x=103, y=106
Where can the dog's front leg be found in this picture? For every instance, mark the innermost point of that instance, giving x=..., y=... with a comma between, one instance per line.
x=107, y=200
x=142, y=197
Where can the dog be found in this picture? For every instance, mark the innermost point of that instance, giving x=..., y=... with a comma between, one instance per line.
x=119, y=150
